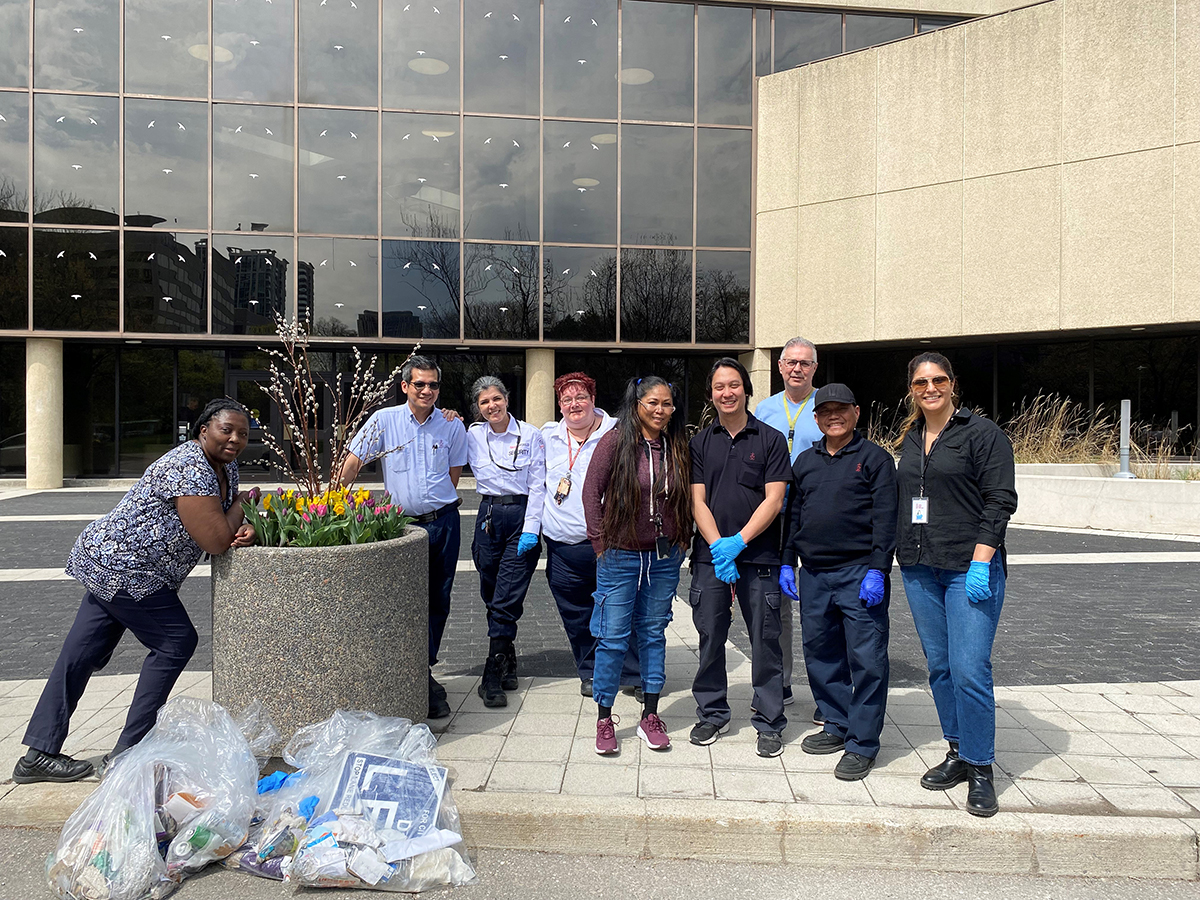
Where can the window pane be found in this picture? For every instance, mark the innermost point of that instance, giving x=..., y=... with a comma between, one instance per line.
x=251, y=282
x=77, y=43
x=867, y=31
x=339, y=52
x=656, y=295
x=252, y=168
x=723, y=187
x=725, y=67
x=656, y=63
x=581, y=59
x=580, y=184
x=420, y=54
x=164, y=283
x=147, y=389
x=75, y=279
x=501, y=47
x=14, y=157
x=420, y=175
x=762, y=42
x=14, y=277
x=722, y=297
x=89, y=409
x=801, y=37
x=166, y=47
x=501, y=297
x=338, y=174
x=656, y=185
x=12, y=408
x=420, y=289
x=579, y=293
x=14, y=49
x=166, y=163
x=925, y=23
x=500, y=179
x=75, y=162
x=253, y=54
x=342, y=276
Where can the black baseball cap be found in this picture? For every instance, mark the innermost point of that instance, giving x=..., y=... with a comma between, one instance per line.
x=834, y=393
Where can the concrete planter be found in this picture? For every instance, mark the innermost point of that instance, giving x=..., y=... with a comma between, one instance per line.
x=312, y=630
x=1112, y=504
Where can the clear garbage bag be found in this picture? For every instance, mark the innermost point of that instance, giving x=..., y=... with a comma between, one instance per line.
x=375, y=810
x=179, y=800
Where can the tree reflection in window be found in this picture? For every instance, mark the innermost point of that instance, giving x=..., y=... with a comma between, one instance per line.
x=75, y=279
x=722, y=297
x=500, y=299
x=420, y=289
x=656, y=295
x=579, y=293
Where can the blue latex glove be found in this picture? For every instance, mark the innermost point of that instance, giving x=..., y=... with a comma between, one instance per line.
x=787, y=581
x=727, y=547
x=308, y=806
x=527, y=542
x=271, y=782
x=979, y=586
x=871, y=592
x=727, y=569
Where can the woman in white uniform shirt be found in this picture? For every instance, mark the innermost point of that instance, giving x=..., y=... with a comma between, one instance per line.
x=508, y=458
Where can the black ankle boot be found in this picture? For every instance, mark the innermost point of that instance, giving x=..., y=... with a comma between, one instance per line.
x=508, y=680
x=490, y=689
x=946, y=774
x=981, y=792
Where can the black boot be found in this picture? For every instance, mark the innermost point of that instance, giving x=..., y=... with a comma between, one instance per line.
x=946, y=774
x=981, y=792
x=508, y=680
x=490, y=689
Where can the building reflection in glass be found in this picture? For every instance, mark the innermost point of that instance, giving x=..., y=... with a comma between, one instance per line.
x=656, y=295
x=579, y=293
x=339, y=292
x=14, y=277
x=722, y=297
x=76, y=279
x=420, y=289
x=251, y=282
x=164, y=283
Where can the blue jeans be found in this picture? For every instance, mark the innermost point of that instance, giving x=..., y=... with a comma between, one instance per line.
x=957, y=637
x=634, y=592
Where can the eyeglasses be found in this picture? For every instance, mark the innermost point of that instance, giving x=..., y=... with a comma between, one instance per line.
x=421, y=385
x=804, y=364
x=571, y=401
x=652, y=405
x=938, y=381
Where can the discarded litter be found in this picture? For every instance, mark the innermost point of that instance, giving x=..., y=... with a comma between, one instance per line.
x=179, y=800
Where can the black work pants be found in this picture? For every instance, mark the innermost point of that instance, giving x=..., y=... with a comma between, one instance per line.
x=503, y=575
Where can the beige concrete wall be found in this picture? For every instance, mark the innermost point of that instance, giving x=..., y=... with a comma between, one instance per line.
x=1027, y=172
x=43, y=413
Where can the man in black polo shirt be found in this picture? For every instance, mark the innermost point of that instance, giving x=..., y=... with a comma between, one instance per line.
x=740, y=472
x=842, y=526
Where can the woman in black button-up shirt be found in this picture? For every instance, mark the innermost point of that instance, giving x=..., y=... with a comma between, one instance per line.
x=956, y=485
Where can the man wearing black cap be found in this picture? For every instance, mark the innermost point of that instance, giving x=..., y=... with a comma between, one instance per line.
x=842, y=526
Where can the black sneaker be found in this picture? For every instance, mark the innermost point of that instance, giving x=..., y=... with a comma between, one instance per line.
x=490, y=689
x=770, y=743
x=788, y=699
x=585, y=687
x=853, y=766
x=705, y=733
x=57, y=768
x=822, y=742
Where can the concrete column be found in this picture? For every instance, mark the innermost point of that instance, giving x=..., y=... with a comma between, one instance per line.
x=43, y=413
x=539, y=386
x=758, y=363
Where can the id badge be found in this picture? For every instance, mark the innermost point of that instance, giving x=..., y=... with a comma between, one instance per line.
x=563, y=489
x=920, y=510
x=662, y=546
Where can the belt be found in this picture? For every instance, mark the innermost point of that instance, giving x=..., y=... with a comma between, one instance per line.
x=426, y=518
x=505, y=499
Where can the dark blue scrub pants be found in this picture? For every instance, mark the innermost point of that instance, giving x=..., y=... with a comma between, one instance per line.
x=758, y=595
x=444, y=539
x=158, y=621
x=571, y=574
x=503, y=576
x=845, y=653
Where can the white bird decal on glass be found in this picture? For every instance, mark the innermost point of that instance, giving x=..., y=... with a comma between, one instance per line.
x=406, y=265
x=422, y=308
x=339, y=305
x=353, y=4
x=406, y=137
x=502, y=56
x=516, y=18
x=338, y=47
x=323, y=262
x=566, y=145
x=581, y=190
x=594, y=147
x=61, y=254
x=77, y=296
x=238, y=130
x=152, y=121
x=593, y=271
x=436, y=10
x=503, y=309
x=168, y=171
x=341, y=178
x=76, y=167
x=323, y=133
x=77, y=30
x=422, y=180
x=488, y=141
x=503, y=184
x=436, y=139
x=437, y=267
x=92, y=121
x=515, y=269
x=566, y=271
x=353, y=135
x=60, y=118
x=150, y=257
x=255, y=43
x=515, y=144
x=353, y=263
x=487, y=15
x=566, y=20
x=582, y=61
x=2, y=119
x=166, y=299
x=594, y=22
x=181, y=128
x=420, y=53
x=91, y=255
x=407, y=8
x=488, y=267
x=269, y=131
x=179, y=256
x=165, y=37
x=253, y=174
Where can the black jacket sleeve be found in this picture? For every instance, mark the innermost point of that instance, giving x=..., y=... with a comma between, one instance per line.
x=883, y=511
x=791, y=518
x=996, y=473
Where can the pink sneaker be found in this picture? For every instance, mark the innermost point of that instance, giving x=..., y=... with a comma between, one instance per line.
x=606, y=737
x=652, y=730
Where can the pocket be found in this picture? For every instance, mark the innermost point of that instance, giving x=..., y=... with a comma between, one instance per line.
x=751, y=475
x=598, y=620
x=772, y=626
x=398, y=461
x=694, y=597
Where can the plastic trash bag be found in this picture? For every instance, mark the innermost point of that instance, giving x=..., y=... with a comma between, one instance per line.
x=258, y=730
x=384, y=817
x=182, y=798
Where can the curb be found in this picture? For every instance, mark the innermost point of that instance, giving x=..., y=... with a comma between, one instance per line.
x=796, y=834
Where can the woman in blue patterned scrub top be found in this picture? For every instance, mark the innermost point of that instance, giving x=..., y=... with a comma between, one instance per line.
x=132, y=562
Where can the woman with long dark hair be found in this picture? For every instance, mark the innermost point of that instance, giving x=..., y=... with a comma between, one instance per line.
x=956, y=482
x=637, y=500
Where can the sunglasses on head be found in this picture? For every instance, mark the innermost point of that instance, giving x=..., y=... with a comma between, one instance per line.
x=938, y=381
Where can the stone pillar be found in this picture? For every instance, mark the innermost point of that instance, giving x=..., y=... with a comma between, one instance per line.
x=539, y=386
x=43, y=413
x=758, y=363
